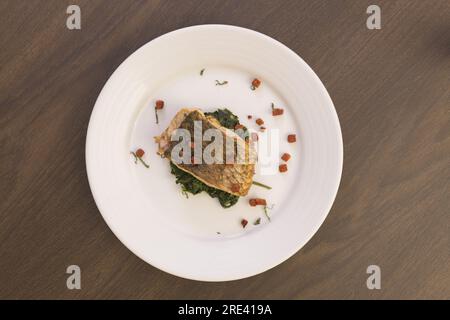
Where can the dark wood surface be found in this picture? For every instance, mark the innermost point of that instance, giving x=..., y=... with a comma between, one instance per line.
x=391, y=91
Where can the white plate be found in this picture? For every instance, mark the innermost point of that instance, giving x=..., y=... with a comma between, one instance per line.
x=145, y=208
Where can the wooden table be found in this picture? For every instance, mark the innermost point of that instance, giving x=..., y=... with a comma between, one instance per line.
x=391, y=91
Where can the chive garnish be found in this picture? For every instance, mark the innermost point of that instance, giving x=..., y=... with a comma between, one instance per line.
x=259, y=184
x=266, y=213
x=202, y=71
x=266, y=208
x=136, y=158
x=156, y=114
x=219, y=83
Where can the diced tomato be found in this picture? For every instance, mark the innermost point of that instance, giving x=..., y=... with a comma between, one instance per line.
x=277, y=112
x=256, y=83
x=159, y=104
x=257, y=202
x=292, y=138
x=286, y=157
x=140, y=153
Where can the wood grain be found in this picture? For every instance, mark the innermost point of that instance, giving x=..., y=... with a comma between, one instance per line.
x=390, y=88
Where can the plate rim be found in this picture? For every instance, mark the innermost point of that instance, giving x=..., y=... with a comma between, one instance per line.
x=314, y=76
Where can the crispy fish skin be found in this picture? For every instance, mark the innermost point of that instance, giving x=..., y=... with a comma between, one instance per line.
x=234, y=178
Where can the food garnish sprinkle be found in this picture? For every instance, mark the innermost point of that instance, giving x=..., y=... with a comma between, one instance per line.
x=255, y=84
x=138, y=157
x=259, y=184
x=266, y=209
x=276, y=111
x=221, y=83
x=190, y=184
x=159, y=105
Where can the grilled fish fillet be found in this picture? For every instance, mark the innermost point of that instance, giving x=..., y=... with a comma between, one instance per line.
x=233, y=178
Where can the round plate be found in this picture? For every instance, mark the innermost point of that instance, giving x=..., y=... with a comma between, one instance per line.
x=195, y=238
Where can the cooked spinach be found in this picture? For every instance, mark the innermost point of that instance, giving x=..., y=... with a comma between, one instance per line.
x=226, y=118
x=192, y=185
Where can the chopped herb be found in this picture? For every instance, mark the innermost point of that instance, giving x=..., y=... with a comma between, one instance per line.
x=136, y=158
x=273, y=106
x=156, y=115
x=266, y=211
x=221, y=83
x=259, y=184
x=257, y=222
x=218, y=232
x=202, y=71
